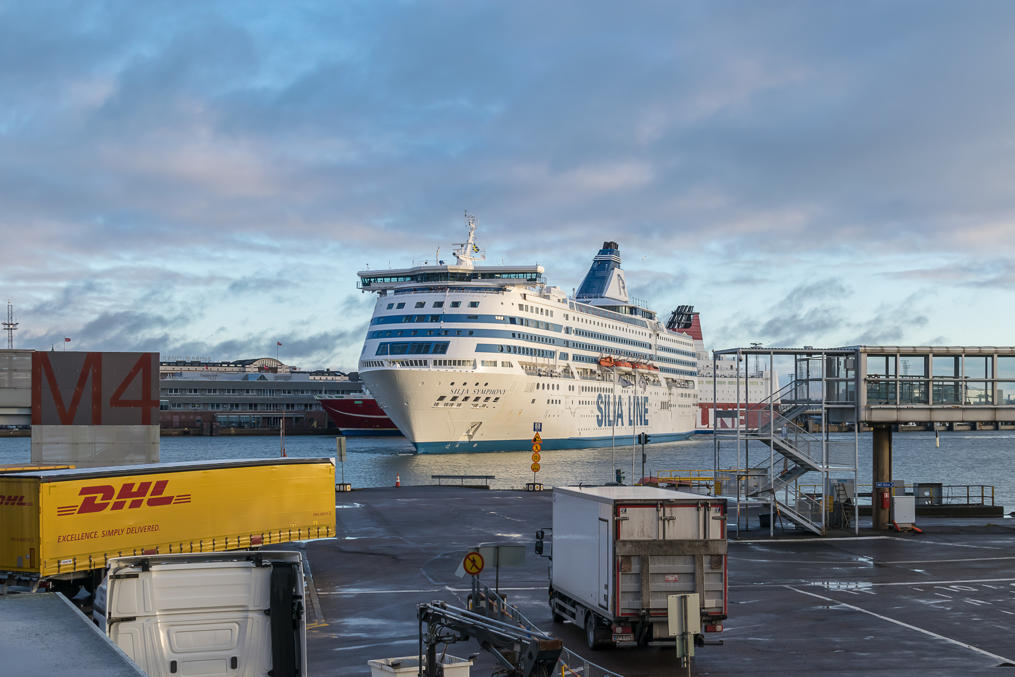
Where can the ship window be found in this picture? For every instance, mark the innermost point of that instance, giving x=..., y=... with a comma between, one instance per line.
x=486, y=399
x=438, y=304
x=506, y=364
x=400, y=305
x=390, y=306
x=454, y=398
x=455, y=304
x=474, y=304
x=420, y=304
x=465, y=399
x=441, y=398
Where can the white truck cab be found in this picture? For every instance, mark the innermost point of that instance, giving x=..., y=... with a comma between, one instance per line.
x=237, y=613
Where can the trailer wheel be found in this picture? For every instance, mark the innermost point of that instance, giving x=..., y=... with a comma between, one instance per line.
x=591, y=632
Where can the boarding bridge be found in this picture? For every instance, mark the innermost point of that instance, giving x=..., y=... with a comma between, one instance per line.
x=807, y=476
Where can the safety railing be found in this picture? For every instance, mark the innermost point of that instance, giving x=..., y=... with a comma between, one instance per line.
x=794, y=439
x=695, y=479
x=937, y=494
x=806, y=505
x=703, y=479
x=571, y=664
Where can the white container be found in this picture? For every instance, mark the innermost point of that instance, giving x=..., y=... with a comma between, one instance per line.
x=409, y=665
x=619, y=551
x=904, y=510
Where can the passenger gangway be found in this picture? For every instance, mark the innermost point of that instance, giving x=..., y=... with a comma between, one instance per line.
x=848, y=389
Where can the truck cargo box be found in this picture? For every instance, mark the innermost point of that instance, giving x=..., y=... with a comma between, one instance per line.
x=619, y=552
x=55, y=522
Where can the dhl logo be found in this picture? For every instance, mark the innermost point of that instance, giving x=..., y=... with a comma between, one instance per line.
x=131, y=495
x=12, y=499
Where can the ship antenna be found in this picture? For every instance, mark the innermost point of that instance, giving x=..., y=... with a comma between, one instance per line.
x=467, y=251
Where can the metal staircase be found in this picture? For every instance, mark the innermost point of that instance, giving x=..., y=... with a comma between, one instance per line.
x=776, y=424
x=799, y=460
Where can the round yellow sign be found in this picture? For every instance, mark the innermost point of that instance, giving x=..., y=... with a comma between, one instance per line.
x=535, y=457
x=535, y=467
x=473, y=563
x=536, y=446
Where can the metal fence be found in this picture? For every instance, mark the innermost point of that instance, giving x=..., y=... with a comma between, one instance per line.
x=571, y=664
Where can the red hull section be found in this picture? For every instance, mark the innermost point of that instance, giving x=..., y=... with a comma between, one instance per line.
x=358, y=416
x=752, y=415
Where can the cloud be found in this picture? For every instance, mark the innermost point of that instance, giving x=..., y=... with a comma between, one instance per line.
x=891, y=323
x=191, y=160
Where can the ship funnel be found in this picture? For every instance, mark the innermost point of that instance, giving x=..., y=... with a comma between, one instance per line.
x=605, y=279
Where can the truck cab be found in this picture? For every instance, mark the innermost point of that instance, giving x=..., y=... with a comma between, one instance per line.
x=239, y=613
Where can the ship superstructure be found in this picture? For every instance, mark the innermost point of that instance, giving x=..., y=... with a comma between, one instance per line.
x=732, y=389
x=467, y=357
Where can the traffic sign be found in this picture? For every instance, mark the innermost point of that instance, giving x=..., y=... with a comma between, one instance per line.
x=536, y=439
x=537, y=426
x=535, y=457
x=536, y=446
x=535, y=467
x=473, y=563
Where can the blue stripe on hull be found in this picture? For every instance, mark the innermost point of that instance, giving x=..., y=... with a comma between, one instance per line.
x=548, y=444
x=369, y=432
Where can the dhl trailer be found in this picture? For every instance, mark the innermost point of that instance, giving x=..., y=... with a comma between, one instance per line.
x=59, y=524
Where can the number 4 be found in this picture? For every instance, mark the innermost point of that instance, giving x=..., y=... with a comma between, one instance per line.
x=145, y=404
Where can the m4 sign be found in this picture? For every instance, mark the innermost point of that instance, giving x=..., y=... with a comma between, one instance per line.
x=76, y=388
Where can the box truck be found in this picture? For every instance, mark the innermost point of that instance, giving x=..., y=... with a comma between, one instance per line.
x=618, y=552
x=66, y=524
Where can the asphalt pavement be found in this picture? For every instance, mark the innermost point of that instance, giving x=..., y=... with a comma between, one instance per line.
x=937, y=603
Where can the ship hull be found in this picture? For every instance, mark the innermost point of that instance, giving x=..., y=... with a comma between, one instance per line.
x=502, y=412
x=358, y=416
x=547, y=443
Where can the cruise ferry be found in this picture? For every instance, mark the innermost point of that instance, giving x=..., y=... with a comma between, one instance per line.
x=728, y=391
x=466, y=357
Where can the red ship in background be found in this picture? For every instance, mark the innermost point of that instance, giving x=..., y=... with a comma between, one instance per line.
x=358, y=414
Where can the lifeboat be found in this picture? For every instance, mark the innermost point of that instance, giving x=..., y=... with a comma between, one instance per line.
x=641, y=366
x=623, y=365
x=606, y=361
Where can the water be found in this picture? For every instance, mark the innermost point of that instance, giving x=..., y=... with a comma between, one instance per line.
x=963, y=458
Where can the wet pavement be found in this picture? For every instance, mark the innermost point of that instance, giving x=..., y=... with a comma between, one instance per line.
x=937, y=603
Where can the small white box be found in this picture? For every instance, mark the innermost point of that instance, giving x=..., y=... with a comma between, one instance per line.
x=904, y=509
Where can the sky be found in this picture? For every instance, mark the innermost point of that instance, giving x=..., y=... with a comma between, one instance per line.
x=205, y=179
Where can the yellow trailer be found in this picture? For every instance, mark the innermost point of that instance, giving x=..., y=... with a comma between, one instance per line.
x=56, y=522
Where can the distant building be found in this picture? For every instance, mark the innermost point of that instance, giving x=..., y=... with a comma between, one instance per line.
x=246, y=397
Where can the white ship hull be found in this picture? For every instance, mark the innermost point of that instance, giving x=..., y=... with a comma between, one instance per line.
x=565, y=419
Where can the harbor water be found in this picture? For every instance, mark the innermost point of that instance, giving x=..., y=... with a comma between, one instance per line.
x=963, y=458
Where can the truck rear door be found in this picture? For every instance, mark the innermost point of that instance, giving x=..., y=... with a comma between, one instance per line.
x=666, y=549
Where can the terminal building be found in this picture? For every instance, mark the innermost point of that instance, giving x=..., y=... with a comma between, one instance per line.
x=247, y=397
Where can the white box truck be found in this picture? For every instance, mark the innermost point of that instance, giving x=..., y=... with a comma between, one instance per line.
x=618, y=552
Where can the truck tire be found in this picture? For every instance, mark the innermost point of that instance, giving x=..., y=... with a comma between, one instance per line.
x=592, y=635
